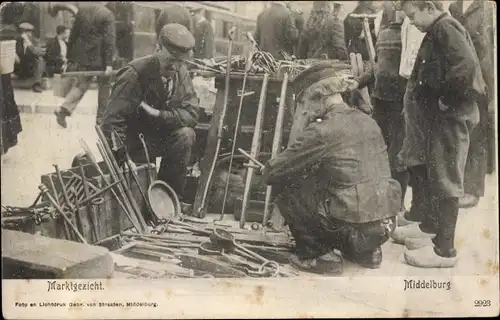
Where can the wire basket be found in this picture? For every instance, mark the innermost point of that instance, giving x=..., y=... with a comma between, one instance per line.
x=7, y=56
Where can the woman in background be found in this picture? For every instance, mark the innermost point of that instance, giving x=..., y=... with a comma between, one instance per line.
x=11, y=121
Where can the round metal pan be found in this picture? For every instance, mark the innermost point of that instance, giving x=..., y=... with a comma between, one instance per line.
x=163, y=200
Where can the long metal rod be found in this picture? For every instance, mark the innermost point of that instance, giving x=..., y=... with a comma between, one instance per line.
x=278, y=133
x=128, y=193
x=121, y=189
x=61, y=211
x=90, y=210
x=256, y=139
x=66, y=230
x=233, y=147
x=126, y=208
x=134, y=174
x=257, y=163
x=220, y=128
x=64, y=190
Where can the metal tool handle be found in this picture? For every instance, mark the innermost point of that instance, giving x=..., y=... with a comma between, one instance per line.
x=257, y=162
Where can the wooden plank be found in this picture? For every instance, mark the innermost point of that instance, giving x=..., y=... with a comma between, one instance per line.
x=54, y=257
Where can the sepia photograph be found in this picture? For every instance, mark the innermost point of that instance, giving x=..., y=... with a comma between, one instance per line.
x=249, y=159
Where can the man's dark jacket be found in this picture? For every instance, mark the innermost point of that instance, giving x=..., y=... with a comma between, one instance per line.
x=204, y=40
x=276, y=30
x=346, y=156
x=143, y=80
x=53, y=59
x=329, y=41
x=173, y=13
x=92, y=39
x=478, y=21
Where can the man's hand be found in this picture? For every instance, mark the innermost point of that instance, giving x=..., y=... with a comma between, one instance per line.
x=150, y=110
x=108, y=71
x=39, y=51
x=352, y=84
x=442, y=106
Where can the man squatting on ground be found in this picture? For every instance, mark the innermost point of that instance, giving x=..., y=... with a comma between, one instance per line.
x=154, y=95
x=445, y=82
x=333, y=184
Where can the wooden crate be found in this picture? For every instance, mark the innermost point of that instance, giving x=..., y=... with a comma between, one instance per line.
x=110, y=217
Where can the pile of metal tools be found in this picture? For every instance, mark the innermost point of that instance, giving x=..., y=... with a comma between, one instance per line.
x=203, y=249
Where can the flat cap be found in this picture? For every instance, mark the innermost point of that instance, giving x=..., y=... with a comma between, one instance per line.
x=194, y=10
x=176, y=39
x=26, y=26
x=320, y=71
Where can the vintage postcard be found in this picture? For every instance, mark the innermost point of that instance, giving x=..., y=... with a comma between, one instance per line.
x=249, y=159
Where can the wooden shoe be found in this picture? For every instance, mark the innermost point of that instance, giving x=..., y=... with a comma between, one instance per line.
x=426, y=257
x=468, y=201
x=402, y=221
x=409, y=231
x=417, y=243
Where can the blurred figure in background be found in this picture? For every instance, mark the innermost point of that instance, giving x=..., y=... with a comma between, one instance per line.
x=276, y=30
x=57, y=49
x=353, y=27
x=477, y=18
x=299, y=23
x=323, y=36
x=173, y=13
x=203, y=35
x=387, y=96
x=29, y=57
x=91, y=47
x=10, y=119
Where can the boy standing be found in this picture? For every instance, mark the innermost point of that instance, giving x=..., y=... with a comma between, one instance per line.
x=446, y=81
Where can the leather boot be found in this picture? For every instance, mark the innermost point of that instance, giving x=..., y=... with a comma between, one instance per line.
x=371, y=260
x=327, y=264
x=61, y=114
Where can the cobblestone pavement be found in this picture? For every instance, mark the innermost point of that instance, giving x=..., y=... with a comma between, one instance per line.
x=43, y=143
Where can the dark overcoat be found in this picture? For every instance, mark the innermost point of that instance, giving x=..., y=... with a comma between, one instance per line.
x=93, y=36
x=478, y=21
x=440, y=104
x=276, y=30
x=329, y=41
x=204, y=40
x=344, y=161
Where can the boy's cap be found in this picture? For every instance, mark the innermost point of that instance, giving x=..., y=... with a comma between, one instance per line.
x=318, y=72
x=176, y=39
x=26, y=26
x=195, y=10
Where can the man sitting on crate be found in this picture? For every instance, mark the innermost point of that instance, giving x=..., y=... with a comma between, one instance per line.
x=154, y=96
x=29, y=62
x=334, y=182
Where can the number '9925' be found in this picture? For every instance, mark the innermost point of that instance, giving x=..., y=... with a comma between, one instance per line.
x=482, y=303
